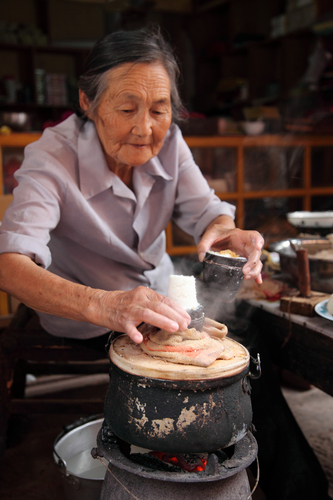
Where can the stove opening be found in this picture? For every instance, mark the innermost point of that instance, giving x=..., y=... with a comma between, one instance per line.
x=193, y=462
x=173, y=462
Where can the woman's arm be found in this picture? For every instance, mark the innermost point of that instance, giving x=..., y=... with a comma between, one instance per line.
x=221, y=234
x=120, y=311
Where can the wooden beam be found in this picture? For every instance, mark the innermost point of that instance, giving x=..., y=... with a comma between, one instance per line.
x=76, y=406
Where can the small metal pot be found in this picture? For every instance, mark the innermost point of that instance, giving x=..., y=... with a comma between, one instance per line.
x=82, y=476
x=224, y=274
x=178, y=416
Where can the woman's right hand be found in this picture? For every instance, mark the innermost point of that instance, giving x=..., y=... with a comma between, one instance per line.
x=119, y=311
x=125, y=311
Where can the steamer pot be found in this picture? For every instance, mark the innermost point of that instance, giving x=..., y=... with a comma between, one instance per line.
x=179, y=416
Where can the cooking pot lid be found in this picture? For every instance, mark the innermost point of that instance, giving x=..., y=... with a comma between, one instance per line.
x=129, y=357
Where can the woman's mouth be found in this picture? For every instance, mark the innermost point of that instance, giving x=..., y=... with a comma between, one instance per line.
x=140, y=146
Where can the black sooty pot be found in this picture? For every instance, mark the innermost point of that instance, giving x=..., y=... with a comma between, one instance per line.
x=179, y=416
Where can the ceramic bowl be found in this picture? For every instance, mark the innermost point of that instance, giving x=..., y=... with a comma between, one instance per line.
x=311, y=219
x=253, y=128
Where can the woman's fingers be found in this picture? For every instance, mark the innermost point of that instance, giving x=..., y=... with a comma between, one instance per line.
x=253, y=267
x=129, y=309
x=253, y=271
x=134, y=334
x=245, y=243
x=169, y=309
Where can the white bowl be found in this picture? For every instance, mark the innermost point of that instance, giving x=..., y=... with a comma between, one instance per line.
x=253, y=128
x=311, y=219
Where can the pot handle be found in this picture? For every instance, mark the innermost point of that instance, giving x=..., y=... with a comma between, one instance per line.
x=113, y=335
x=256, y=365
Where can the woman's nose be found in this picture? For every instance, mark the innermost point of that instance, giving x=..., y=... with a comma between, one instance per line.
x=143, y=125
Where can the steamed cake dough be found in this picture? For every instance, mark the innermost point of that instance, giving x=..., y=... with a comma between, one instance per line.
x=226, y=253
x=182, y=291
x=188, y=347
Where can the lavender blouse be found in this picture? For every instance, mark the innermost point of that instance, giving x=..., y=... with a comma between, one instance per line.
x=76, y=218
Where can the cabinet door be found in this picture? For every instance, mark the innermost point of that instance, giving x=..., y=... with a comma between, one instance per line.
x=219, y=167
x=268, y=216
x=322, y=166
x=268, y=168
x=11, y=160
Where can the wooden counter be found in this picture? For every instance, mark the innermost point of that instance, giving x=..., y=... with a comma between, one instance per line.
x=297, y=343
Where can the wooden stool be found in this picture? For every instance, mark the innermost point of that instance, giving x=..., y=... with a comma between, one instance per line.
x=26, y=348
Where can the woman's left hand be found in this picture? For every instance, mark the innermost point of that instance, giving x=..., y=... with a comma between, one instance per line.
x=221, y=234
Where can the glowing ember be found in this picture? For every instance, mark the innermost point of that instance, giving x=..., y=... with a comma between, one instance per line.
x=190, y=463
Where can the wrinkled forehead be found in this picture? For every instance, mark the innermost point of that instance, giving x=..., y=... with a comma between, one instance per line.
x=131, y=78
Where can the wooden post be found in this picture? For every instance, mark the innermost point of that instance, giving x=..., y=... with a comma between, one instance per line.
x=303, y=268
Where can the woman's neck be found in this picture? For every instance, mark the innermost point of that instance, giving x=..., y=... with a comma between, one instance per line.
x=124, y=172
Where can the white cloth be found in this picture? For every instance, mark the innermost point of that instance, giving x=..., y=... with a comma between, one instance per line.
x=75, y=217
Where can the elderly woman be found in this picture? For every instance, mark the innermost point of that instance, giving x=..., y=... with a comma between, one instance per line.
x=83, y=242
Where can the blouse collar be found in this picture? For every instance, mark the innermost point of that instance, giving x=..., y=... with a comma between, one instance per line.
x=94, y=173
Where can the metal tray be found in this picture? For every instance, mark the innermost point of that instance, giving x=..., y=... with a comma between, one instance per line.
x=321, y=271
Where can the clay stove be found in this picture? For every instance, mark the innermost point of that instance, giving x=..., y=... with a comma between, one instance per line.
x=141, y=476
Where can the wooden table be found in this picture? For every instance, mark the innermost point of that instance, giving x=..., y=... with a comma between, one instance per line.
x=300, y=344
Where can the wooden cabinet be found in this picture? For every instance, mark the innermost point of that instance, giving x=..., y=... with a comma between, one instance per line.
x=45, y=79
x=241, y=61
x=11, y=155
x=228, y=57
x=43, y=46
x=265, y=177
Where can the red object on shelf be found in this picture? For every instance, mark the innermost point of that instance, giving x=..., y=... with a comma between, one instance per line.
x=53, y=123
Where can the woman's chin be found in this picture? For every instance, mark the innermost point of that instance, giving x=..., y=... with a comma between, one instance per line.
x=138, y=159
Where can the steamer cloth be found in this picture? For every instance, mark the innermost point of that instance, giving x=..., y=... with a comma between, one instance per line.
x=189, y=347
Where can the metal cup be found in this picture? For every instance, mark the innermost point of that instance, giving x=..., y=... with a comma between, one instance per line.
x=224, y=274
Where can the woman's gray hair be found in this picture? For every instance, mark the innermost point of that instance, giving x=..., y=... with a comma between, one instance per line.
x=140, y=46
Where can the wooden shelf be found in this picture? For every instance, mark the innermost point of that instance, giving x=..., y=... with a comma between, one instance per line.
x=26, y=106
x=44, y=48
x=22, y=61
x=273, y=67
x=19, y=140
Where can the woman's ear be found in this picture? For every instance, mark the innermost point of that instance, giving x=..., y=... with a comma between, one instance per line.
x=84, y=102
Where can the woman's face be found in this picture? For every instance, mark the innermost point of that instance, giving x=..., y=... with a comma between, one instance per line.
x=134, y=113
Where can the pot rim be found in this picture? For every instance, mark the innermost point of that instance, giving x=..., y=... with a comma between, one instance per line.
x=131, y=359
x=193, y=385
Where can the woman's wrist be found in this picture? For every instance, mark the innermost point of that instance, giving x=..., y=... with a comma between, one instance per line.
x=99, y=309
